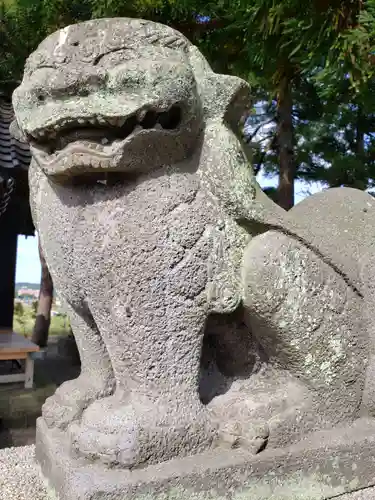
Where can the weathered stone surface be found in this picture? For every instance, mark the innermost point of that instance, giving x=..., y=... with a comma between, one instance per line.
x=310, y=324
x=324, y=467
x=19, y=470
x=205, y=316
x=143, y=262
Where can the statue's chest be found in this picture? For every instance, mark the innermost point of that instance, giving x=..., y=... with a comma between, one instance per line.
x=146, y=230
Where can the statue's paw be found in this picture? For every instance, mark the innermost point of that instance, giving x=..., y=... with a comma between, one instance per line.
x=72, y=398
x=131, y=434
x=252, y=437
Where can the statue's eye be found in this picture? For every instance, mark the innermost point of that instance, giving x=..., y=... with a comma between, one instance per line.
x=115, y=58
x=38, y=93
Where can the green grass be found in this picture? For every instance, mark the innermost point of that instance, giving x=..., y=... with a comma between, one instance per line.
x=24, y=324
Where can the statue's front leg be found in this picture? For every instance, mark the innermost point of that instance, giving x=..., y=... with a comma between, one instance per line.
x=95, y=381
x=155, y=341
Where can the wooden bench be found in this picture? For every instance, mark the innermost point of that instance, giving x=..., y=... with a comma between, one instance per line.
x=14, y=346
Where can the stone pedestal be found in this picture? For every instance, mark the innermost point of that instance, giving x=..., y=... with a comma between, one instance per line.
x=325, y=465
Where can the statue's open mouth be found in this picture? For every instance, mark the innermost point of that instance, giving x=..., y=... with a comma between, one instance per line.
x=84, y=141
x=99, y=133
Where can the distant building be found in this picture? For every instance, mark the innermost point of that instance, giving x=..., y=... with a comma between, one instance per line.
x=28, y=295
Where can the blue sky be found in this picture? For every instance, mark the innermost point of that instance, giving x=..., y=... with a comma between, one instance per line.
x=28, y=265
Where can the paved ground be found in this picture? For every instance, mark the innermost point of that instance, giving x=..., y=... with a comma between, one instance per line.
x=19, y=408
x=19, y=476
x=20, y=479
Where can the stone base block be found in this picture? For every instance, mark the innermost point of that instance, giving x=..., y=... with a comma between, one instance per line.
x=322, y=466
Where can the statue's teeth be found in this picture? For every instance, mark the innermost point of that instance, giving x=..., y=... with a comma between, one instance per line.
x=81, y=121
x=92, y=121
x=141, y=114
x=112, y=121
x=101, y=119
x=120, y=122
x=158, y=126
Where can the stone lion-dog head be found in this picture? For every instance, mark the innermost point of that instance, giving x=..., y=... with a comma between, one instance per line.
x=120, y=96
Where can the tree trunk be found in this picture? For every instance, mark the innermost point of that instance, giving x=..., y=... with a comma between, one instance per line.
x=285, y=145
x=43, y=315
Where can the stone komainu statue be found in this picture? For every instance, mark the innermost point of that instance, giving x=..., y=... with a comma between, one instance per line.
x=204, y=314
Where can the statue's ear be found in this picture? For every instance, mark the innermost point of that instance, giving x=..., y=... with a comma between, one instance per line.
x=223, y=96
x=16, y=132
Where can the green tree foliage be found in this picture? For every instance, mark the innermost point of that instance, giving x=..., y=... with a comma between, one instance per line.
x=19, y=312
x=298, y=55
x=25, y=23
x=339, y=148
x=18, y=309
x=334, y=138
